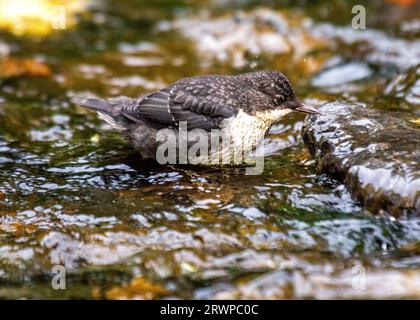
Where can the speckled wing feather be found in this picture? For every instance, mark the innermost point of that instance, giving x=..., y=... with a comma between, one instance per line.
x=203, y=102
x=153, y=107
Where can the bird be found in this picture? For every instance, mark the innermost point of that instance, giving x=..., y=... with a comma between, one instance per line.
x=242, y=106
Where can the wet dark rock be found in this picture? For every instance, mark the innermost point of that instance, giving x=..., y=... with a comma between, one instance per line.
x=375, y=153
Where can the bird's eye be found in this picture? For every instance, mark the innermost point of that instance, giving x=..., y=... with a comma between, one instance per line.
x=278, y=99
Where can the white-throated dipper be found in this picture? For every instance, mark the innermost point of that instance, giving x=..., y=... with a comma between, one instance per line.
x=245, y=106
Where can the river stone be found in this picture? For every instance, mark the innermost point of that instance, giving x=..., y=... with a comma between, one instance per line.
x=375, y=153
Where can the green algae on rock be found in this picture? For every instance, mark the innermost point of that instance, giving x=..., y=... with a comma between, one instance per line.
x=375, y=153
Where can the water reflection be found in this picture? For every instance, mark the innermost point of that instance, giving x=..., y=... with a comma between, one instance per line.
x=73, y=192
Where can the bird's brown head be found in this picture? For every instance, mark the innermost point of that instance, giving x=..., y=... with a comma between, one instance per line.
x=278, y=87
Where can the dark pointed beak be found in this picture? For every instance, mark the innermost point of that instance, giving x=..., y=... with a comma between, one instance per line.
x=307, y=109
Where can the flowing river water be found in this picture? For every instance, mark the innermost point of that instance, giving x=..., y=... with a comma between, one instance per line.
x=73, y=192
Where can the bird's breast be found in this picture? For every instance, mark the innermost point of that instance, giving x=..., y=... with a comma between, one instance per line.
x=247, y=131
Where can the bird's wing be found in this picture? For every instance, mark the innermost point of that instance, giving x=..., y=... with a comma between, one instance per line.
x=200, y=111
x=198, y=103
x=153, y=107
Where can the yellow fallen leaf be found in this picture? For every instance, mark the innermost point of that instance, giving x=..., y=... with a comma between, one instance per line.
x=416, y=121
x=138, y=288
x=15, y=67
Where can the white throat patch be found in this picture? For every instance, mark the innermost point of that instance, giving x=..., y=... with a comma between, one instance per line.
x=272, y=115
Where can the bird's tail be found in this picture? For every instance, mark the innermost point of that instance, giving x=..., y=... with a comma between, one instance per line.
x=110, y=110
x=97, y=104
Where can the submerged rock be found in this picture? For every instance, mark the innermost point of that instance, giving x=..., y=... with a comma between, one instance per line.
x=375, y=153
